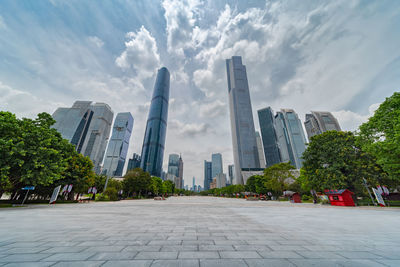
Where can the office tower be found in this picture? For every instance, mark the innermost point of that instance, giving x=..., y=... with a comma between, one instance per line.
x=207, y=174
x=269, y=138
x=117, y=149
x=290, y=135
x=154, y=138
x=173, y=164
x=221, y=180
x=260, y=150
x=245, y=153
x=216, y=162
x=231, y=173
x=134, y=162
x=73, y=123
x=180, y=172
x=194, y=180
x=320, y=121
x=87, y=125
x=99, y=131
x=163, y=175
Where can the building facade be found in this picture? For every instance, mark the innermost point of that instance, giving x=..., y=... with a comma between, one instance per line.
x=134, y=162
x=318, y=122
x=291, y=138
x=207, y=174
x=231, y=173
x=87, y=125
x=156, y=127
x=269, y=137
x=118, y=145
x=260, y=150
x=216, y=164
x=244, y=143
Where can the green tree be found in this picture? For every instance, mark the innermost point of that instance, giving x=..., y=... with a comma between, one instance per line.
x=278, y=177
x=31, y=152
x=99, y=182
x=156, y=186
x=169, y=187
x=136, y=182
x=333, y=160
x=251, y=184
x=380, y=136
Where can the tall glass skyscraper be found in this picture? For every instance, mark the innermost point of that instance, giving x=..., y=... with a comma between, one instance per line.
x=269, y=138
x=156, y=128
x=231, y=173
x=118, y=145
x=207, y=174
x=87, y=125
x=245, y=153
x=173, y=164
x=134, y=162
x=216, y=164
x=260, y=150
x=291, y=138
x=318, y=122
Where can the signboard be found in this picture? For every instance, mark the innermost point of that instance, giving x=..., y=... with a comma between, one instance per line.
x=55, y=194
x=28, y=188
x=378, y=197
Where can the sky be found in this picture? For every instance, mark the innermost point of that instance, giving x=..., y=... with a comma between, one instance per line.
x=340, y=56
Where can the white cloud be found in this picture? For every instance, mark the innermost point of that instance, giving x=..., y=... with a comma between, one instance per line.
x=96, y=41
x=140, y=54
x=350, y=121
x=23, y=104
x=189, y=129
x=212, y=109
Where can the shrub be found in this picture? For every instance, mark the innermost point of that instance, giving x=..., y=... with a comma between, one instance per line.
x=111, y=193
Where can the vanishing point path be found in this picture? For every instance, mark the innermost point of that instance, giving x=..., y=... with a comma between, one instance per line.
x=199, y=231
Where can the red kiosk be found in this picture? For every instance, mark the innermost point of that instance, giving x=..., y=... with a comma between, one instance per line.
x=294, y=197
x=342, y=197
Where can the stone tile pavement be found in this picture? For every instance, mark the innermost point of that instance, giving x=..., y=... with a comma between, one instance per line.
x=199, y=231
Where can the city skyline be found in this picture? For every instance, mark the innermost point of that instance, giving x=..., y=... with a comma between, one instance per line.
x=311, y=56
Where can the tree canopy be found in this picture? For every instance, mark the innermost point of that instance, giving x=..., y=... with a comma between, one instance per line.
x=334, y=160
x=380, y=136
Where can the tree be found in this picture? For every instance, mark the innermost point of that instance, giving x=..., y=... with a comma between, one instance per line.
x=79, y=173
x=169, y=187
x=277, y=178
x=380, y=136
x=31, y=152
x=99, y=182
x=251, y=184
x=333, y=160
x=156, y=186
x=136, y=182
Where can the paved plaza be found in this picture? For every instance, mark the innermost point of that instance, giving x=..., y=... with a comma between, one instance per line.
x=199, y=231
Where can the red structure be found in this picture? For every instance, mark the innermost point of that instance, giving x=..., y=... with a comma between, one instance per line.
x=342, y=197
x=294, y=197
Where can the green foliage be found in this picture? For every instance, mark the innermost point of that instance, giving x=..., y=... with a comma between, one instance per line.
x=156, y=186
x=112, y=183
x=278, y=178
x=111, y=193
x=228, y=191
x=31, y=153
x=333, y=160
x=169, y=187
x=79, y=173
x=380, y=136
x=99, y=182
x=136, y=182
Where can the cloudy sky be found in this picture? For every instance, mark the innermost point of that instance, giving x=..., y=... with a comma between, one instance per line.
x=338, y=56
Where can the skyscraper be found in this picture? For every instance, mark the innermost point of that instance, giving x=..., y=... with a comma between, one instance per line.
x=173, y=164
x=73, y=123
x=269, y=138
x=320, y=121
x=87, y=125
x=231, y=173
x=216, y=161
x=260, y=150
x=117, y=149
x=245, y=153
x=180, y=172
x=154, y=138
x=99, y=131
x=290, y=135
x=194, y=181
x=134, y=162
x=207, y=174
